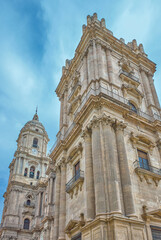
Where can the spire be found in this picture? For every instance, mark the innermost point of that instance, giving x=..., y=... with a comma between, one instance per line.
x=35, y=117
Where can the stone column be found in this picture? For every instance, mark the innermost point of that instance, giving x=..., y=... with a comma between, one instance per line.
x=61, y=111
x=62, y=212
x=111, y=165
x=100, y=202
x=57, y=204
x=124, y=170
x=15, y=166
x=39, y=202
x=65, y=106
x=109, y=65
x=153, y=90
x=51, y=190
x=85, y=80
x=146, y=88
x=159, y=147
x=100, y=63
x=95, y=60
x=90, y=197
x=18, y=165
x=90, y=64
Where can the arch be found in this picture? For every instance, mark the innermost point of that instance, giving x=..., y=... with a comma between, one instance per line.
x=26, y=224
x=32, y=171
x=25, y=172
x=133, y=107
x=28, y=202
x=38, y=175
x=35, y=142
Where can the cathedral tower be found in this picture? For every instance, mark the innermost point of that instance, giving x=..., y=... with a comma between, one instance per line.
x=108, y=152
x=27, y=170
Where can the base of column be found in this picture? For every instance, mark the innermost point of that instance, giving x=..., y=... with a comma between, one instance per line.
x=112, y=227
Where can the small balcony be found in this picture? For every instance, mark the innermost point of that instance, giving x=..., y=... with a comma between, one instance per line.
x=128, y=77
x=75, y=183
x=147, y=172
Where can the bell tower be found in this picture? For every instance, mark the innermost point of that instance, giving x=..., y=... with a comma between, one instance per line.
x=27, y=170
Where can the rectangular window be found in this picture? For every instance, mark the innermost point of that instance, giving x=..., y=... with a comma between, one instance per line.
x=156, y=233
x=77, y=237
x=143, y=160
x=77, y=170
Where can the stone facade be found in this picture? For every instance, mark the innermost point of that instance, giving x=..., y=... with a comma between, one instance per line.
x=104, y=178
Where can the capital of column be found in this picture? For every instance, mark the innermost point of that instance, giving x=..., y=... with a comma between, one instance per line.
x=107, y=120
x=94, y=123
x=86, y=133
x=52, y=175
x=143, y=69
x=108, y=48
x=63, y=162
x=119, y=125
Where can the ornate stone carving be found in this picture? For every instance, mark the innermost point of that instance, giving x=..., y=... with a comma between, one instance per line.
x=125, y=65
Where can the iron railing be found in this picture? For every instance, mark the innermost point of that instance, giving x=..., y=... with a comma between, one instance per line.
x=147, y=168
x=79, y=175
x=129, y=75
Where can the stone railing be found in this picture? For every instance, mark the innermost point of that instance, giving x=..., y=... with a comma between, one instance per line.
x=129, y=75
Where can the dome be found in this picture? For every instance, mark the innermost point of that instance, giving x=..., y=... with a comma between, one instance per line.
x=35, y=126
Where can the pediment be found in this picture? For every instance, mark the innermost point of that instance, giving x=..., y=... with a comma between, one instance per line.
x=152, y=214
x=132, y=90
x=72, y=224
x=32, y=162
x=142, y=139
x=76, y=151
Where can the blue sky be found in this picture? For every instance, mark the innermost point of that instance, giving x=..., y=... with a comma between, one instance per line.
x=36, y=37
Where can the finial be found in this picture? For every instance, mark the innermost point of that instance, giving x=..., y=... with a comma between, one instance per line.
x=35, y=117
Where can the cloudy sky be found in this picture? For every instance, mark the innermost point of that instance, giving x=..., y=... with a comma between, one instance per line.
x=36, y=36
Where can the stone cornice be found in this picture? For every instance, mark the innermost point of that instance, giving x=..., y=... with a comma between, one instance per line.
x=91, y=103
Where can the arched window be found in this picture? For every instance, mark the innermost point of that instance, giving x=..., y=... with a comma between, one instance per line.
x=26, y=223
x=28, y=202
x=133, y=108
x=32, y=172
x=35, y=142
x=25, y=172
x=38, y=175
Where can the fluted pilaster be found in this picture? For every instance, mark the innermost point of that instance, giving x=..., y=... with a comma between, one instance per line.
x=90, y=64
x=95, y=60
x=57, y=204
x=124, y=169
x=90, y=197
x=85, y=72
x=111, y=165
x=100, y=202
x=155, y=96
x=100, y=61
x=65, y=105
x=109, y=65
x=62, y=211
x=61, y=111
x=146, y=88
